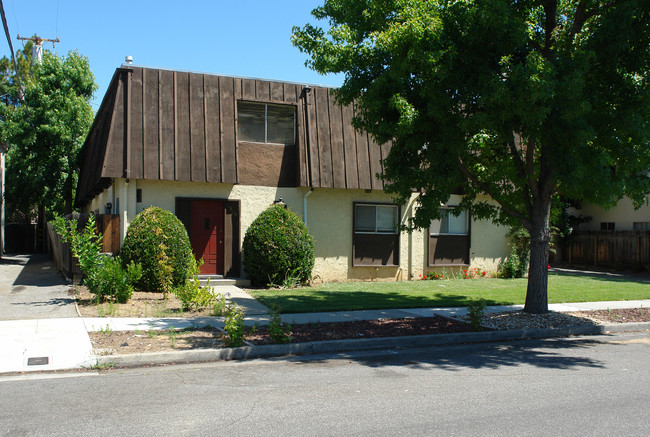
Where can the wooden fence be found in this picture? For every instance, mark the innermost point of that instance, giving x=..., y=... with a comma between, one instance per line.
x=107, y=224
x=608, y=249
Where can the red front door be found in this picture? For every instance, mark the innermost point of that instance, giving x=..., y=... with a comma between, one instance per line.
x=206, y=234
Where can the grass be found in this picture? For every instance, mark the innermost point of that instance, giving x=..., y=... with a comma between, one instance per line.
x=348, y=296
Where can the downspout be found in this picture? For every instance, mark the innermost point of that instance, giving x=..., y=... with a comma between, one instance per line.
x=304, y=205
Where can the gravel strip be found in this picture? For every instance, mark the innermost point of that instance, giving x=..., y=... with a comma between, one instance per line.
x=521, y=320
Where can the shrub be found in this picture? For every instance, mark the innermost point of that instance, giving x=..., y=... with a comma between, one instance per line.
x=278, y=248
x=234, y=327
x=475, y=311
x=279, y=331
x=516, y=265
x=158, y=241
x=115, y=282
x=195, y=297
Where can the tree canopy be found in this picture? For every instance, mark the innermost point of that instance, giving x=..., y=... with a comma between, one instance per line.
x=45, y=131
x=518, y=100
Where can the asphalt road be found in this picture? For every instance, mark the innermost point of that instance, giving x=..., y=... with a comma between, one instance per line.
x=581, y=386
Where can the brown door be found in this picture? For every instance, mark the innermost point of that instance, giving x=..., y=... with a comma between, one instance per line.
x=207, y=234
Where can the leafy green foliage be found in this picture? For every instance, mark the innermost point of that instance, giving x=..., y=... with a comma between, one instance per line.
x=516, y=265
x=279, y=331
x=234, y=327
x=195, y=297
x=86, y=246
x=513, y=266
x=46, y=131
x=512, y=102
x=475, y=311
x=113, y=281
x=278, y=248
x=158, y=241
x=103, y=275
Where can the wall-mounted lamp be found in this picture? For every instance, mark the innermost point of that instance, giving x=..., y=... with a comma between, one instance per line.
x=280, y=202
x=108, y=208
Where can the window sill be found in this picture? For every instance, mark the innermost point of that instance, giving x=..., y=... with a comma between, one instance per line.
x=447, y=265
x=375, y=265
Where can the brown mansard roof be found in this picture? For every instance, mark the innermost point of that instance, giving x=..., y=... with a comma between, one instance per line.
x=170, y=125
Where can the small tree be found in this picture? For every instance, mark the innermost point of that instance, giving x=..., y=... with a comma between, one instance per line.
x=278, y=248
x=45, y=131
x=103, y=275
x=86, y=246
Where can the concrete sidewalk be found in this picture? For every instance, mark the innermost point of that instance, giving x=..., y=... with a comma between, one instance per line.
x=43, y=345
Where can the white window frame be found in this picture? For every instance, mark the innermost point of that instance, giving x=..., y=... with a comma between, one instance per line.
x=375, y=205
x=266, y=121
x=447, y=212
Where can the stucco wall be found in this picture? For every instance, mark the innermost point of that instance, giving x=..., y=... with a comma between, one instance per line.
x=329, y=218
x=623, y=215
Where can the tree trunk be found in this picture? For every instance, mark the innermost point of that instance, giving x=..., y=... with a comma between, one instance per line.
x=540, y=236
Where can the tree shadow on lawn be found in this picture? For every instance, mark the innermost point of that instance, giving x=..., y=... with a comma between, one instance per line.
x=604, y=275
x=542, y=353
x=325, y=301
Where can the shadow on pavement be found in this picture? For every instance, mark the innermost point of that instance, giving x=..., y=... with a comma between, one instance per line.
x=56, y=302
x=13, y=260
x=39, y=271
x=544, y=353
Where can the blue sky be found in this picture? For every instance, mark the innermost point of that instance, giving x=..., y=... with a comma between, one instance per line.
x=232, y=37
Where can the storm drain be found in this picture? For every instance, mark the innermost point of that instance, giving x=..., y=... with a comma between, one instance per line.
x=38, y=361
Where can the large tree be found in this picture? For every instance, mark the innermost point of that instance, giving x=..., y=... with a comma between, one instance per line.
x=520, y=100
x=44, y=130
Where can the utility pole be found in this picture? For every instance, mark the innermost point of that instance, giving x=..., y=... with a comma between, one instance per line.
x=37, y=48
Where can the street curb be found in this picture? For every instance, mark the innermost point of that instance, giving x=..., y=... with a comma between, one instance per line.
x=334, y=346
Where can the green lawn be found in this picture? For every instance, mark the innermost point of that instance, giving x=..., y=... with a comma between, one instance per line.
x=448, y=293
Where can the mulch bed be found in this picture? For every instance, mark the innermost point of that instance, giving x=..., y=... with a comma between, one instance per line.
x=138, y=342
x=365, y=329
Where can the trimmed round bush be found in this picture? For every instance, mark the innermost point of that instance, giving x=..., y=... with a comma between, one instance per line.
x=158, y=241
x=278, y=248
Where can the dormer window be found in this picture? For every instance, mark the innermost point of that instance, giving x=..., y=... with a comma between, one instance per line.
x=266, y=123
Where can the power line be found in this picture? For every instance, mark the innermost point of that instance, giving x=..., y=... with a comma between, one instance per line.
x=4, y=23
x=21, y=96
x=13, y=7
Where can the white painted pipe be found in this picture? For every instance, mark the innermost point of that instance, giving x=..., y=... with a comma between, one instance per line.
x=304, y=205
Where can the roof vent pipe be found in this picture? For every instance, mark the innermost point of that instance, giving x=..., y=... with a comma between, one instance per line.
x=128, y=59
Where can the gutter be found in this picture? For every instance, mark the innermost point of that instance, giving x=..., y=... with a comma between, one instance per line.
x=304, y=205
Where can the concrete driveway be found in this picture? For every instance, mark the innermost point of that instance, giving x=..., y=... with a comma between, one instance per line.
x=31, y=287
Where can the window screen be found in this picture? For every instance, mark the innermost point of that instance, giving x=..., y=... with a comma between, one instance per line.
x=251, y=122
x=280, y=121
x=375, y=218
x=266, y=123
x=365, y=218
x=449, y=224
